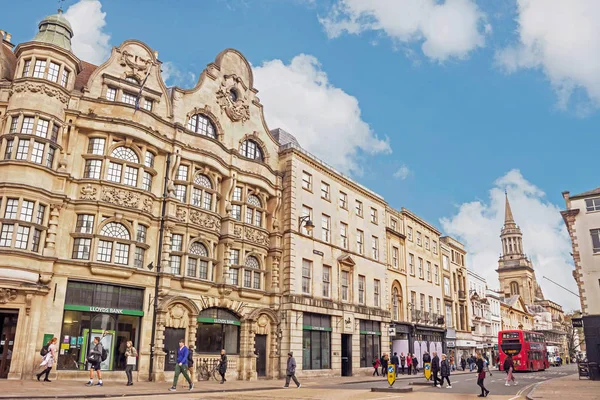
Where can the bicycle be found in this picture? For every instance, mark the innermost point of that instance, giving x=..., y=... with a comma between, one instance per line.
x=204, y=373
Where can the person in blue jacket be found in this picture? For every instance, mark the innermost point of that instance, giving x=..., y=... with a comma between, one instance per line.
x=182, y=366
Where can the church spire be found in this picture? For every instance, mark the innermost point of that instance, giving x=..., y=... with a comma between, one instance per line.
x=508, y=216
x=512, y=238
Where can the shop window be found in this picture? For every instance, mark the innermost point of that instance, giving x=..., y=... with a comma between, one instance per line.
x=316, y=341
x=370, y=342
x=218, y=329
x=202, y=125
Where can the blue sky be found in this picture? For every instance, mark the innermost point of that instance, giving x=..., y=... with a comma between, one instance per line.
x=499, y=103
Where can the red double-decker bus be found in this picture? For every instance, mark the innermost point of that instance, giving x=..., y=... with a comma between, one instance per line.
x=528, y=350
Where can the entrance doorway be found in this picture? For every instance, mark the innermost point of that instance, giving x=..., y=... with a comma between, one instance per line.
x=8, y=330
x=260, y=348
x=172, y=336
x=346, y=355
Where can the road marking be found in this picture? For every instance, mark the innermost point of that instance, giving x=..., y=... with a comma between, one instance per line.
x=470, y=379
x=520, y=392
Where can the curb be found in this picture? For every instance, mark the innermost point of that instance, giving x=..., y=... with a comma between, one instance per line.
x=113, y=395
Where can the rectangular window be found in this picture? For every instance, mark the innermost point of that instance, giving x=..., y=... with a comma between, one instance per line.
x=121, y=253
x=360, y=242
x=437, y=274
x=595, y=240
x=448, y=321
x=374, y=248
x=237, y=194
x=325, y=191
x=96, y=146
x=53, y=69
x=361, y=289
x=37, y=152
x=92, y=169
x=9, y=149
x=426, y=242
x=413, y=299
x=128, y=98
x=438, y=307
x=325, y=228
x=419, y=238
x=249, y=215
x=142, y=231
x=343, y=235
x=26, y=211
x=306, y=276
x=40, y=214
x=590, y=204
x=149, y=160
x=14, y=121
x=236, y=212
x=420, y=268
x=373, y=215
x=429, y=271
x=430, y=304
x=41, y=128
x=6, y=235
x=35, y=242
x=175, y=264
x=81, y=249
x=247, y=278
x=445, y=263
x=50, y=157
x=22, y=149
x=176, y=242
x=111, y=94
x=148, y=104
x=114, y=172
x=130, y=177
x=39, y=69
x=26, y=66
x=306, y=212
x=345, y=286
x=359, y=208
x=343, y=200
x=306, y=180
x=409, y=233
x=191, y=267
x=22, y=237
x=203, y=269
x=147, y=181
x=434, y=247
x=447, y=286
x=12, y=205
x=422, y=299
x=27, y=125
x=104, y=251
x=138, y=257
x=234, y=257
x=394, y=224
x=395, y=257
x=182, y=173
x=326, y=281
x=65, y=78
x=376, y=292
x=54, y=135
x=180, y=192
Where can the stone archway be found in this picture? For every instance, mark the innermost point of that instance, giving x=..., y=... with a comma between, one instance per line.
x=177, y=312
x=263, y=322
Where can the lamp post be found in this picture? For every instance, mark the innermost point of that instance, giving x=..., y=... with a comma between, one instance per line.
x=308, y=224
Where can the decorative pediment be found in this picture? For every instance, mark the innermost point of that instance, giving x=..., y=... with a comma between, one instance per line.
x=347, y=260
x=232, y=97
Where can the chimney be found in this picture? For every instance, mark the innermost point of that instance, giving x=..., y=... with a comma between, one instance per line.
x=6, y=38
x=565, y=195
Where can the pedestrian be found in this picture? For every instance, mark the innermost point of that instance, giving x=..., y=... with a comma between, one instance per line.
x=49, y=353
x=395, y=363
x=435, y=368
x=131, y=355
x=426, y=358
x=463, y=363
x=182, y=366
x=94, y=358
x=376, y=364
x=415, y=362
x=402, y=362
x=445, y=369
x=451, y=362
x=223, y=366
x=481, y=376
x=409, y=364
x=509, y=366
x=384, y=364
x=290, y=371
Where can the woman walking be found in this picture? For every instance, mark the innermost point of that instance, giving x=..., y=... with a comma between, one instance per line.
x=223, y=366
x=376, y=364
x=481, y=375
x=509, y=366
x=415, y=362
x=409, y=363
x=131, y=355
x=49, y=359
x=445, y=370
x=463, y=363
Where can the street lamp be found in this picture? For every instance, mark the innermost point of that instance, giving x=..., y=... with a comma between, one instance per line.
x=308, y=224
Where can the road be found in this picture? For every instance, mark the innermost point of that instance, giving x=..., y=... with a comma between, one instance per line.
x=463, y=387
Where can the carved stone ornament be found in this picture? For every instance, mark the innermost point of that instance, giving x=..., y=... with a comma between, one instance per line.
x=237, y=231
x=7, y=295
x=137, y=64
x=41, y=88
x=147, y=207
x=88, y=192
x=232, y=98
x=180, y=214
x=120, y=197
x=177, y=317
x=205, y=220
x=256, y=236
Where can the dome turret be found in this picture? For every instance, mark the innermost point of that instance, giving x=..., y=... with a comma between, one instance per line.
x=56, y=30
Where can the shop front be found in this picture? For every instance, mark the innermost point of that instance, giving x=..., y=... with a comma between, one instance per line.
x=451, y=348
x=401, y=338
x=316, y=341
x=370, y=342
x=111, y=313
x=427, y=339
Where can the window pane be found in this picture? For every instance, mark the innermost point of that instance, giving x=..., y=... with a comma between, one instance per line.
x=53, y=69
x=104, y=251
x=92, y=169
x=41, y=129
x=35, y=243
x=128, y=98
x=37, y=153
x=175, y=265
x=111, y=94
x=27, y=125
x=138, y=260
x=81, y=248
x=22, y=237
x=26, y=211
x=22, y=149
x=96, y=146
x=11, y=209
x=176, y=242
x=126, y=154
x=50, y=156
x=203, y=269
x=39, y=69
x=130, y=177
x=6, y=235
x=40, y=214
x=9, y=149
x=149, y=160
x=114, y=172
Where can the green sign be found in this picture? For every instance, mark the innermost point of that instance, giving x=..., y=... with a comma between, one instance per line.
x=370, y=333
x=104, y=310
x=218, y=321
x=47, y=338
x=315, y=328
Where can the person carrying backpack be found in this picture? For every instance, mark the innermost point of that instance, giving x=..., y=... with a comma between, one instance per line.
x=49, y=354
x=95, y=357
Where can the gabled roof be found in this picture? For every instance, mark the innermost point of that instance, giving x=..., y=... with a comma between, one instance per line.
x=346, y=259
x=588, y=193
x=84, y=76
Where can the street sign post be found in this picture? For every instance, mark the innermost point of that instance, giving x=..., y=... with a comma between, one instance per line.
x=391, y=374
x=427, y=370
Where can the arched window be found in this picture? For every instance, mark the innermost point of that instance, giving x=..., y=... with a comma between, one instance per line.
x=120, y=169
x=250, y=149
x=202, y=193
x=514, y=288
x=395, y=305
x=132, y=79
x=202, y=125
x=218, y=328
x=253, y=213
x=252, y=273
x=198, y=262
x=112, y=236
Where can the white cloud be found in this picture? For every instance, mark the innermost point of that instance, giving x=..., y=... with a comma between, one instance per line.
x=402, y=173
x=545, y=239
x=446, y=29
x=90, y=43
x=562, y=38
x=299, y=98
x=174, y=76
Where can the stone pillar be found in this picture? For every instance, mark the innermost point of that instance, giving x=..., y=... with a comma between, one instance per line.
x=50, y=248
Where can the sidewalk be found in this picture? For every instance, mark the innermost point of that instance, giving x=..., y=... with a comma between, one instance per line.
x=69, y=389
x=568, y=387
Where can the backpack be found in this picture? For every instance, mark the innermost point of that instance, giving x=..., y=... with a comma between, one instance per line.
x=44, y=351
x=190, y=358
x=104, y=354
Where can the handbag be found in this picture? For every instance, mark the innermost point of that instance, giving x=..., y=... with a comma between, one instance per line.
x=481, y=375
x=131, y=360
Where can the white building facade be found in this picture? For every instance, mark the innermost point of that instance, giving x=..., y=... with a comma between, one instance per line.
x=480, y=313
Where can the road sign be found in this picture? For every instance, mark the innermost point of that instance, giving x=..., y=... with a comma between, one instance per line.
x=577, y=322
x=427, y=370
x=391, y=374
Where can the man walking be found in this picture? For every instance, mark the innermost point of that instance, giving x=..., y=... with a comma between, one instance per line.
x=395, y=363
x=182, y=366
x=95, y=359
x=402, y=362
x=290, y=371
x=435, y=368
